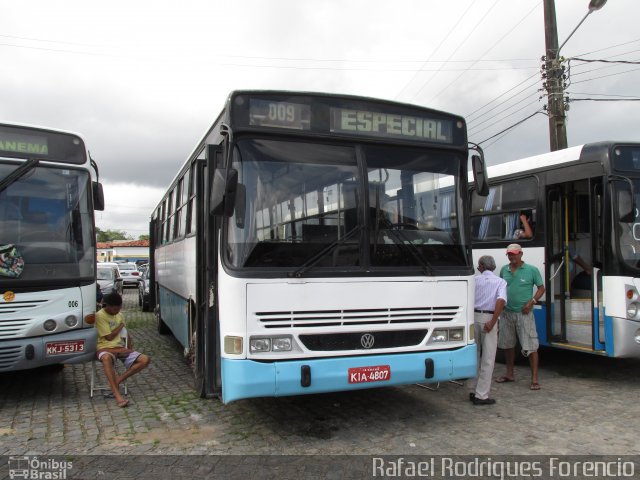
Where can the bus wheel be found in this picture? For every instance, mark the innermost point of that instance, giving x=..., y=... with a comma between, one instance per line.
x=162, y=327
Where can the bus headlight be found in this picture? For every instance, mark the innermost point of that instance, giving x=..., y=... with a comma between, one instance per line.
x=270, y=344
x=456, y=334
x=632, y=310
x=440, y=335
x=282, y=344
x=50, y=325
x=71, y=321
x=637, y=336
x=260, y=345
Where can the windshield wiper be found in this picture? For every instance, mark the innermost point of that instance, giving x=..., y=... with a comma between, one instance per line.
x=405, y=243
x=19, y=172
x=313, y=260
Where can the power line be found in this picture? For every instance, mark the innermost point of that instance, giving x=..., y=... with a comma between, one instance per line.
x=475, y=122
x=513, y=126
x=502, y=94
x=625, y=62
x=609, y=48
x=604, y=100
x=490, y=48
x=605, y=76
x=436, y=49
x=499, y=120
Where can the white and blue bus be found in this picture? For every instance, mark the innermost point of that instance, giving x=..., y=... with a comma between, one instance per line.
x=47, y=248
x=314, y=243
x=581, y=201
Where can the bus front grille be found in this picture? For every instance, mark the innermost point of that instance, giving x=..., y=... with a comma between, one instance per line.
x=13, y=328
x=354, y=341
x=9, y=356
x=359, y=318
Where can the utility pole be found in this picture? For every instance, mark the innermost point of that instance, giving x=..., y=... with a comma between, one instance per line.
x=555, y=73
x=555, y=80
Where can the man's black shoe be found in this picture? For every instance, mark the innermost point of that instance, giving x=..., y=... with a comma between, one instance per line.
x=472, y=396
x=483, y=401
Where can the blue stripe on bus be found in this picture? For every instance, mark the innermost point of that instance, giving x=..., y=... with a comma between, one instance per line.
x=248, y=378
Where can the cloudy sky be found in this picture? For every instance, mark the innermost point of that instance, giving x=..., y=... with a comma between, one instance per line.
x=141, y=81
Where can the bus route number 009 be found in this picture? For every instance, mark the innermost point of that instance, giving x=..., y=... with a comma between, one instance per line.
x=378, y=373
x=282, y=112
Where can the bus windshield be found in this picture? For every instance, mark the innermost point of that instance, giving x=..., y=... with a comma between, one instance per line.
x=46, y=214
x=306, y=206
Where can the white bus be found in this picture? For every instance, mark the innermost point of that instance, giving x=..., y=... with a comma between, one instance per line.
x=581, y=201
x=47, y=248
x=314, y=243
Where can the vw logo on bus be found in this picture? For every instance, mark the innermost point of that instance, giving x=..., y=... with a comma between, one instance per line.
x=367, y=340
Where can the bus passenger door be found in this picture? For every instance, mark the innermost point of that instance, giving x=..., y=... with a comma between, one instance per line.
x=206, y=326
x=555, y=265
x=573, y=313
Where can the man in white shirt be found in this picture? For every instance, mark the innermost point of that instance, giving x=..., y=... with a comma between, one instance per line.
x=490, y=299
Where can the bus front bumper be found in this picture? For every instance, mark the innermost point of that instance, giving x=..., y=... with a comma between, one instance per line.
x=250, y=378
x=34, y=352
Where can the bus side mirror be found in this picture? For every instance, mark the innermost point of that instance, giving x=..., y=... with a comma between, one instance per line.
x=98, y=196
x=480, y=175
x=223, y=190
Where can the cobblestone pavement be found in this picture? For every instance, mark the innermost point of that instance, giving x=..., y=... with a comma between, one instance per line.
x=587, y=405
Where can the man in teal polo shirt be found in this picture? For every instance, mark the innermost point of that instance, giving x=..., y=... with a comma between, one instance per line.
x=517, y=319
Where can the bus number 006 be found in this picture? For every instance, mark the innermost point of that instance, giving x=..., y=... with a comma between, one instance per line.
x=282, y=113
x=73, y=303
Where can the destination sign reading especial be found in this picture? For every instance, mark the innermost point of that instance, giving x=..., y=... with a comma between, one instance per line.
x=362, y=122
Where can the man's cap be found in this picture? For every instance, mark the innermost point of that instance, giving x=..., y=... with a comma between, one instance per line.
x=514, y=248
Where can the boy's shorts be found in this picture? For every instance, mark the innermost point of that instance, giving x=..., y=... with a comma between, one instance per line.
x=128, y=357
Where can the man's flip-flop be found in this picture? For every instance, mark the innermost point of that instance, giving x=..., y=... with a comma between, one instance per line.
x=505, y=380
x=123, y=403
x=534, y=386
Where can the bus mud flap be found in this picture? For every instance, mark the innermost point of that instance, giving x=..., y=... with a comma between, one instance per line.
x=429, y=368
x=305, y=376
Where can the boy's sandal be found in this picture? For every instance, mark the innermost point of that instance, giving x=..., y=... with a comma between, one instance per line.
x=534, y=386
x=123, y=403
x=505, y=380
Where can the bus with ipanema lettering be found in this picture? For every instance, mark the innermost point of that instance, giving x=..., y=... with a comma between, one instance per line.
x=582, y=206
x=47, y=248
x=316, y=243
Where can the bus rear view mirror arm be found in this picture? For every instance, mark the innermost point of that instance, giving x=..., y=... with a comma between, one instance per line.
x=223, y=192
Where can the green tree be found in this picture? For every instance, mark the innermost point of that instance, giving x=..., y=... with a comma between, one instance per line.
x=110, y=235
x=143, y=237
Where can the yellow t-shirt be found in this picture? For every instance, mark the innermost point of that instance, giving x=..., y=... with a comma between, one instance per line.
x=105, y=324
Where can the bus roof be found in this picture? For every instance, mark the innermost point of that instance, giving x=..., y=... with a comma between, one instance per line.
x=544, y=160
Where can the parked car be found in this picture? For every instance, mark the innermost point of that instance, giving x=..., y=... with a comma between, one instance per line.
x=130, y=273
x=109, y=279
x=143, y=291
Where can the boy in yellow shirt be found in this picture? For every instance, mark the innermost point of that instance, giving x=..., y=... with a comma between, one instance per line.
x=110, y=325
